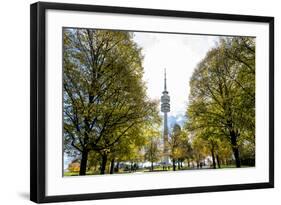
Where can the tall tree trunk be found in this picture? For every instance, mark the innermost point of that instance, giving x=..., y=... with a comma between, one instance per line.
x=235, y=148
x=213, y=158
x=103, y=163
x=188, y=163
x=179, y=165
x=152, y=166
x=174, y=165
x=83, y=164
x=218, y=161
x=111, y=166
x=237, y=157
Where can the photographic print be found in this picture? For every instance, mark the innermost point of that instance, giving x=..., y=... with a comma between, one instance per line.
x=143, y=102
x=133, y=102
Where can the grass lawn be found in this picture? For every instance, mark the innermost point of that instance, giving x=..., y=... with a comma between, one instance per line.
x=155, y=169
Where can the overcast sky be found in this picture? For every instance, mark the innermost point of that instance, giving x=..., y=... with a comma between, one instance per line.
x=179, y=54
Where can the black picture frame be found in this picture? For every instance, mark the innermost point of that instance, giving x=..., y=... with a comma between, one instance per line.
x=38, y=101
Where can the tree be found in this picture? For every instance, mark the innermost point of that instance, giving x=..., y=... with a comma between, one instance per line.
x=152, y=144
x=153, y=151
x=175, y=144
x=211, y=145
x=199, y=150
x=188, y=152
x=93, y=163
x=104, y=95
x=222, y=91
x=74, y=166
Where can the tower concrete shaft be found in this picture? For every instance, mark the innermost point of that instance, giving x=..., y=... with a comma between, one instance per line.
x=165, y=108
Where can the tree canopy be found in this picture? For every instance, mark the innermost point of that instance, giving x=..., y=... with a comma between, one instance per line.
x=105, y=102
x=222, y=96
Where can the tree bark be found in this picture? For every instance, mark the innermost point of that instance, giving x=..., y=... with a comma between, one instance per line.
x=174, y=165
x=103, y=163
x=237, y=157
x=235, y=148
x=213, y=158
x=152, y=166
x=111, y=166
x=218, y=161
x=179, y=167
x=83, y=164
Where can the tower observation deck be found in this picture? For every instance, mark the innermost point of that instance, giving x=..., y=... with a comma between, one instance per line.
x=165, y=108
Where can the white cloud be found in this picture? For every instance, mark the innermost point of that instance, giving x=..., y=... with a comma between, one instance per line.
x=179, y=54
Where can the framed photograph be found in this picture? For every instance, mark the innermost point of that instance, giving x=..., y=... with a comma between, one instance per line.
x=129, y=102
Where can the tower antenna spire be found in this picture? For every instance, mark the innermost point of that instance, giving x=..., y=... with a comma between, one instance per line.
x=165, y=83
x=165, y=108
